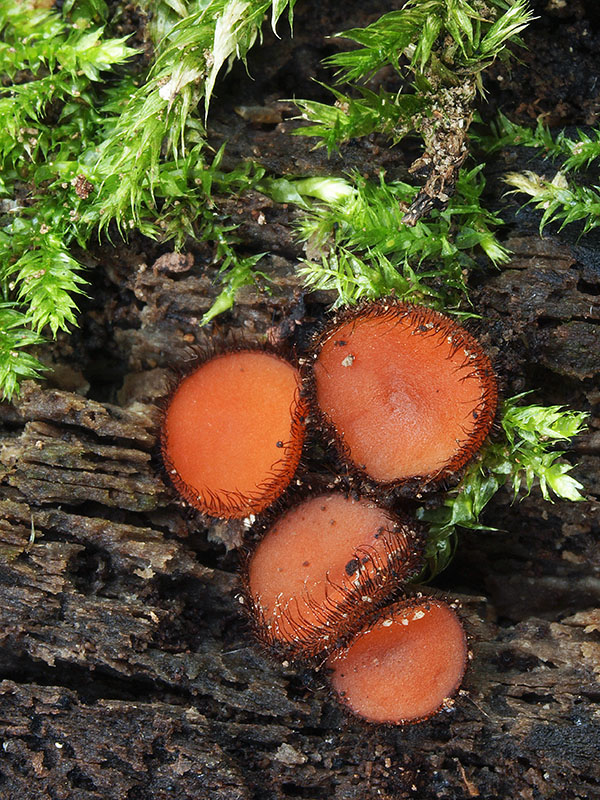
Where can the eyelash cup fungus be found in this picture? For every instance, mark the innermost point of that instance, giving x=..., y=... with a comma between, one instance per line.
x=322, y=567
x=233, y=431
x=405, y=666
x=404, y=391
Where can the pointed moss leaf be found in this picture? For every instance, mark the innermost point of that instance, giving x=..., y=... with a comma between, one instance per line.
x=16, y=364
x=242, y=273
x=524, y=456
x=48, y=277
x=236, y=29
x=563, y=484
x=278, y=7
x=428, y=37
x=507, y=27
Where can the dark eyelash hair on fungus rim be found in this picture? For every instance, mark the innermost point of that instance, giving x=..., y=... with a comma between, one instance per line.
x=404, y=392
x=232, y=432
x=322, y=567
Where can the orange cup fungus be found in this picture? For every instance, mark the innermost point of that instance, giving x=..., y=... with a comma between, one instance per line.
x=405, y=666
x=322, y=568
x=407, y=394
x=233, y=431
x=404, y=390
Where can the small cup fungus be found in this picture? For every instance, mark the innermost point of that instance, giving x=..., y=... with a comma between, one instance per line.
x=322, y=568
x=233, y=431
x=405, y=391
x=405, y=666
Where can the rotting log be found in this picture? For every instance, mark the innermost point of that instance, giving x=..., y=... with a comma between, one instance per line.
x=127, y=670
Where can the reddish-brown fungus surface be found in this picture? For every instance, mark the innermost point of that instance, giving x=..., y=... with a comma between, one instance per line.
x=233, y=432
x=405, y=666
x=407, y=392
x=322, y=567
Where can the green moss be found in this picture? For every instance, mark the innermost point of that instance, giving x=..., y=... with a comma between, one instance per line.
x=562, y=198
x=94, y=139
x=524, y=453
x=89, y=136
x=360, y=248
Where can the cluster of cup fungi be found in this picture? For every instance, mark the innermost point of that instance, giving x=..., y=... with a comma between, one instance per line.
x=406, y=397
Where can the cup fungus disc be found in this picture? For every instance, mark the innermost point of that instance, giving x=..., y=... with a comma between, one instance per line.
x=319, y=570
x=233, y=432
x=408, y=392
x=405, y=666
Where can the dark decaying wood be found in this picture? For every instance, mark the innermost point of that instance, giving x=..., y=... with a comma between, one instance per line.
x=126, y=669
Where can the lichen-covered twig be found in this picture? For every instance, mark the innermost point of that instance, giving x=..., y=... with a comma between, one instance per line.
x=445, y=135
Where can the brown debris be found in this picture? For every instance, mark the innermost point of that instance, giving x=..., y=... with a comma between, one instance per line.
x=445, y=135
x=83, y=188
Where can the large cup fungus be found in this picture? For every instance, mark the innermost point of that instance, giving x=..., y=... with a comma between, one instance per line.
x=403, y=667
x=322, y=567
x=233, y=431
x=405, y=391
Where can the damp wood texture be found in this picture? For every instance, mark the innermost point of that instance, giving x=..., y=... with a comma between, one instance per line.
x=126, y=669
